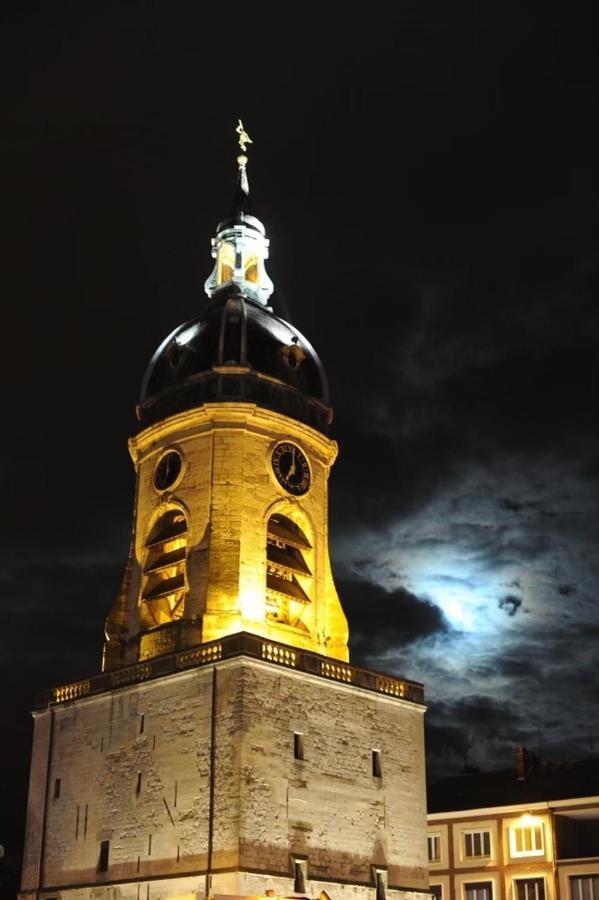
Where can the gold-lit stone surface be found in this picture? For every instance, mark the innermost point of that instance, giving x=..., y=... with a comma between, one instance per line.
x=227, y=494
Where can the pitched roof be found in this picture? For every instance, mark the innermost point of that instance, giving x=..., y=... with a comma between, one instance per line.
x=544, y=781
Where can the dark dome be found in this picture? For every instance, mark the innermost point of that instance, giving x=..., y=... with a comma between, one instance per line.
x=236, y=350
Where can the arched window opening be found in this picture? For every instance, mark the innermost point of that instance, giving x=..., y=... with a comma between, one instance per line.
x=226, y=263
x=164, y=583
x=251, y=269
x=288, y=573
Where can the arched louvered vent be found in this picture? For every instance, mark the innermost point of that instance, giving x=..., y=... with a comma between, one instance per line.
x=288, y=572
x=164, y=584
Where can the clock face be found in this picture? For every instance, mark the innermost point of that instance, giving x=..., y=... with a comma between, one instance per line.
x=291, y=468
x=168, y=470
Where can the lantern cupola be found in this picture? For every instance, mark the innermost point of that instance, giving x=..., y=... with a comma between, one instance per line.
x=240, y=247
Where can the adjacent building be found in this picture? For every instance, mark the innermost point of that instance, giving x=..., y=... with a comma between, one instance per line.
x=531, y=833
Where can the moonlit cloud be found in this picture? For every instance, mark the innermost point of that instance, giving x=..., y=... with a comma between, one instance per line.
x=502, y=575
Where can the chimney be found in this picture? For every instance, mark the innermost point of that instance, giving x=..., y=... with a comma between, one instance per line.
x=522, y=759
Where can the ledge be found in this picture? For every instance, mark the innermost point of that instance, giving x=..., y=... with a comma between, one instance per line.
x=241, y=644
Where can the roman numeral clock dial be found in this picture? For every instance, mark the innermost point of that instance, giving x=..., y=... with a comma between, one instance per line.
x=291, y=468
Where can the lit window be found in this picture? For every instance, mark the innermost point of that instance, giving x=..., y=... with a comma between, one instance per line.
x=479, y=890
x=584, y=887
x=527, y=840
x=434, y=847
x=477, y=843
x=251, y=269
x=529, y=889
x=226, y=263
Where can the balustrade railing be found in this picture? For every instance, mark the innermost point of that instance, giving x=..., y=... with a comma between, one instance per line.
x=242, y=644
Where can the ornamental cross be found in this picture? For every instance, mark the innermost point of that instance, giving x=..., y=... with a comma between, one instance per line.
x=244, y=138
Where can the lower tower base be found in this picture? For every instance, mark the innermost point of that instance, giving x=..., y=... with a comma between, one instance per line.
x=244, y=767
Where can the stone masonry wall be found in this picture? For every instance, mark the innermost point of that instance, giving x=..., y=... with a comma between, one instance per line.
x=329, y=807
x=267, y=806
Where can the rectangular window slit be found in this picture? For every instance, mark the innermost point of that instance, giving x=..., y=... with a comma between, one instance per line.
x=85, y=823
x=178, y=852
x=77, y=824
x=299, y=876
x=149, y=845
x=141, y=723
x=103, y=860
x=380, y=879
x=298, y=745
x=138, y=784
x=56, y=788
x=376, y=764
x=175, y=798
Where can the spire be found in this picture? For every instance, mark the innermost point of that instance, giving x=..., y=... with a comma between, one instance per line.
x=241, y=246
x=242, y=160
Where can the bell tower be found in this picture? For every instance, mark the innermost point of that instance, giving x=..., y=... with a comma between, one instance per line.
x=231, y=511
x=228, y=748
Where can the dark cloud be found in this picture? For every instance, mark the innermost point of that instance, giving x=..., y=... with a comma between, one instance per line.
x=511, y=505
x=472, y=730
x=476, y=710
x=518, y=667
x=382, y=621
x=510, y=604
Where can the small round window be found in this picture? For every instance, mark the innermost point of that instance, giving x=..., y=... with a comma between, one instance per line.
x=168, y=470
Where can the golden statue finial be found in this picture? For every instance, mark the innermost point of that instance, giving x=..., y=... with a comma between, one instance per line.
x=244, y=138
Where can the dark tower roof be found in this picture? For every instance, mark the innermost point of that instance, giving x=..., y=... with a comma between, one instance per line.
x=236, y=350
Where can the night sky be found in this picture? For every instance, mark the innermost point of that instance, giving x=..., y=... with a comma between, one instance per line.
x=427, y=177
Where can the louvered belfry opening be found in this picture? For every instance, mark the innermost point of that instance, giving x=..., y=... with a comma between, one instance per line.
x=164, y=584
x=288, y=574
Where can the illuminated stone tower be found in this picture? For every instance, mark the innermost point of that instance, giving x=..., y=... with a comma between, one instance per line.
x=228, y=747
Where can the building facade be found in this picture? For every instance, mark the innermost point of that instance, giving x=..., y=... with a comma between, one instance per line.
x=528, y=835
x=228, y=747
